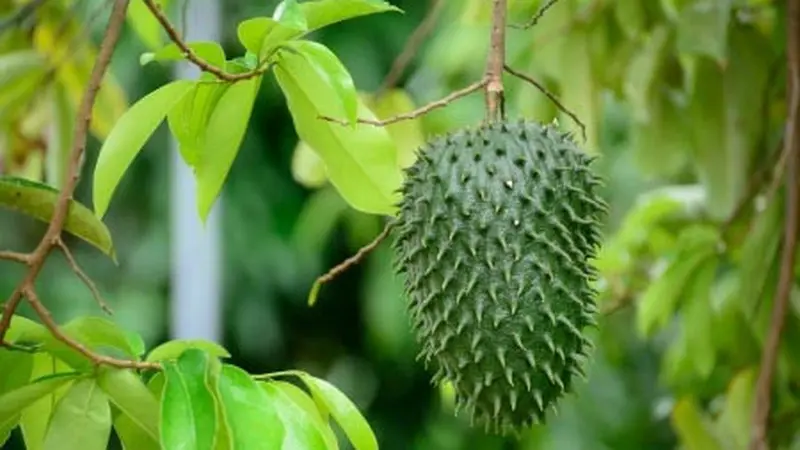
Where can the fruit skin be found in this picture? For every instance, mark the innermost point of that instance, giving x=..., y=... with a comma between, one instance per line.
x=494, y=235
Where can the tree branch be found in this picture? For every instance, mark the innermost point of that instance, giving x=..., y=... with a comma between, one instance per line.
x=73, y=264
x=539, y=14
x=763, y=401
x=495, y=62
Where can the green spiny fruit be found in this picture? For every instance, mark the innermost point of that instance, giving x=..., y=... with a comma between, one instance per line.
x=495, y=234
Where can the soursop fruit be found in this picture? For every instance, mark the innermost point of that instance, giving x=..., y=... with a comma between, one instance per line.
x=495, y=235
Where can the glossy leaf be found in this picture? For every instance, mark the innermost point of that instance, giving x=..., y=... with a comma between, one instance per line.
x=251, y=32
x=346, y=414
x=173, y=349
x=81, y=419
x=300, y=431
x=362, y=159
x=12, y=403
x=225, y=132
x=322, y=13
x=252, y=419
x=188, y=413
x=289, y=13
x=210, y=51
x=309, y=409
x=189, y=118
x=129, y=136
x=39, y=200
x=131, y=396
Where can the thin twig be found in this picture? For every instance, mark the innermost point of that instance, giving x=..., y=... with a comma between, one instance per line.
x=22, y=258
x=417, y=112
x=495, y=62
x=550, y=96
x=73, y=264
x=190, y=55
x=349, y=262
x=536, y=17
x=412, y=46
x=763, y=392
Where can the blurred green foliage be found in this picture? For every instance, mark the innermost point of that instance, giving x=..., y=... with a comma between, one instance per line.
x=683, y=99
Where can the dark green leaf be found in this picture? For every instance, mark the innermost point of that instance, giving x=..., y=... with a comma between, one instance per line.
x=301, y=430
x=349, y=418
x=361, y=159
x=131, y=396
x=81, y=419
x=128, y=137
x=224, y=134
x=188, y=413
x=39, y=201
x=252, y=420
x=173, y=349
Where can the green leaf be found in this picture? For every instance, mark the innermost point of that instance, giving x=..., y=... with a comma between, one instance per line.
x=128, y=137
x=407, y=134
x=333, y=72
x=81, y=419
x=308, y=169
x=39, y=201
x=349, y=418
x=131, y=396
x=693, y=428
x=251, y=32
x=306, y=403
x=210, y=51
x=224, y=135
x=583, y=95
x=289, y=13
x=12, y=403
x=644, y=71
x=188, y=119
x=736, y=414
x=173, y=349
x=57, y=162
x=145, y=25
x=300, y=431
x=188, y=413
x=703, y=28
x=631, y=16
x=698, y=317
x=16, y=371
x=361, y=159
x=322, y=13
x=132, y=436
x=34, y=419
x=252, y=419
x=660, y=299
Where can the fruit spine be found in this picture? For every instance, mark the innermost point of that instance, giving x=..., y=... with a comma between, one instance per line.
x=495, y=233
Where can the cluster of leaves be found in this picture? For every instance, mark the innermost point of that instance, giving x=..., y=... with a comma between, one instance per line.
x=702, y=86
x=60, y=401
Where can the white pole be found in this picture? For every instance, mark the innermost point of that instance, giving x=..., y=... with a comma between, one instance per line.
x=196, y=303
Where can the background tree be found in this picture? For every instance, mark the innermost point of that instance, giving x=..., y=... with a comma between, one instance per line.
x=690, y=103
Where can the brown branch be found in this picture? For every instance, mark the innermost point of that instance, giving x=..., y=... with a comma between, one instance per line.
x=349, y=262
x=73, y=264
x=539, y=14
x=52, y=236
x=763, y=400
x=412, y=46
x=417, y=112
x=550, y=96
x=22, y=258
x=190, y=55
x=495, y=62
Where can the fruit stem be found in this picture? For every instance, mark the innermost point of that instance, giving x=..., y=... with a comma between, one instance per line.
x=495, y=96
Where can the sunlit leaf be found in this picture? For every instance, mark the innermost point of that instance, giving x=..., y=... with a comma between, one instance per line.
x=145, y=24
x=81, y=419
x=210, y=51
x=309, y=408
x=129, y=136
x=131, y=396
x=188, y=119
x=289, y=13
x=308, y=169
x=346, y=414
x=322, y=13
x=300, y=432
x=188, y=413
x=38, y=200
x=407, y=134
x=693, y=428
x=252, y=419
x=362, y=159
x=14, y=402
x=225, y=132
x=173, y=349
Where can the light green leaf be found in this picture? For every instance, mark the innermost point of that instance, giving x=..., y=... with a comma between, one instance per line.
x=289, y=13
x=698, y=317
x=132, y=436
x=210, y=51
x=309, y=408
x=693, y=428
x=145, y=24
x=661, y=145
x=188, y=119
x=16, y=371
x=81, y=420
x=251, y=417
x=39, y=200
x=322, y=13
x=703, y=28
x=127, y=391
x=308, y=169
x=63, y=116
x=631, y=16
x=34, y=419
x=251, y=32
x=224, y=134
x=349, y=418
x=583, y=95
x=188, y=411
x=333, y=72
x=300, y=431
x=407, y=134
x=14, y=402
x=736, y=414
x=361, y=159
x=173, y=349
x=644, y=69
x=128, y=137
